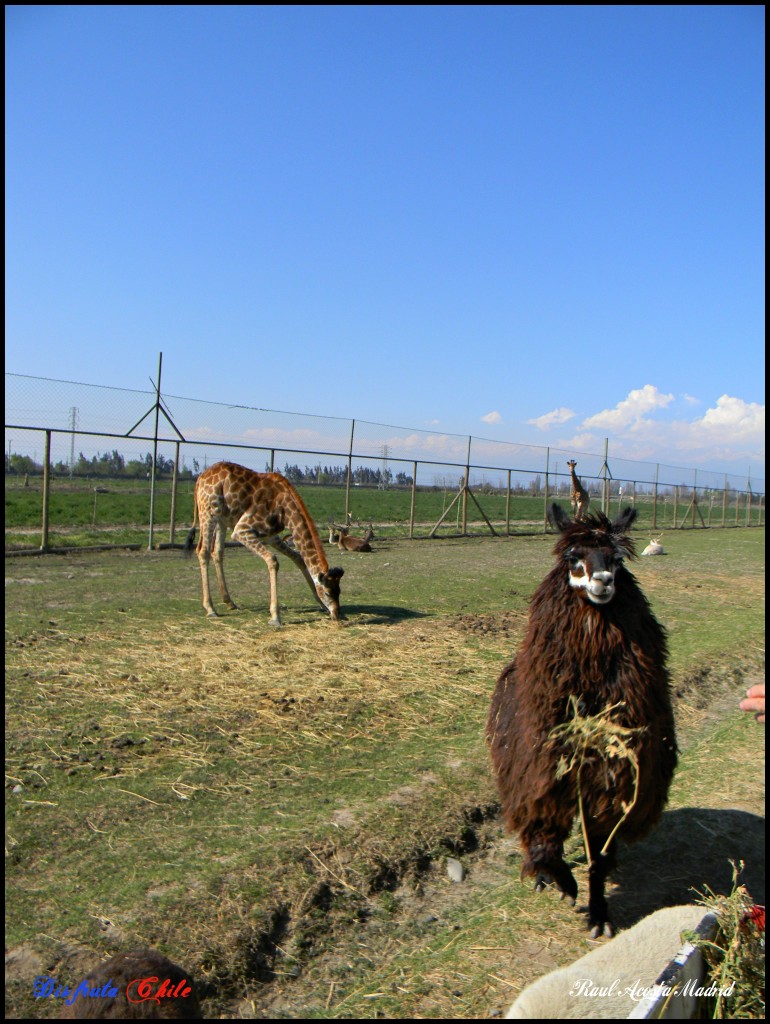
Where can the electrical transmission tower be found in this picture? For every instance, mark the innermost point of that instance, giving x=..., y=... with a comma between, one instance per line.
x=385, y=450
x=73, y=428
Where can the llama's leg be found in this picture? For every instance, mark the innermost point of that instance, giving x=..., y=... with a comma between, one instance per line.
x=219, y=563
x=601, y=865
x=245, y=535
x=544, y=848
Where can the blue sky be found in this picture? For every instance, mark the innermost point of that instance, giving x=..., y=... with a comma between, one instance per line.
x=533, y=224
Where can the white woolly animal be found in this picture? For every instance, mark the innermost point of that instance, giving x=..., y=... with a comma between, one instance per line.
x=654, y=548
x=609, y=982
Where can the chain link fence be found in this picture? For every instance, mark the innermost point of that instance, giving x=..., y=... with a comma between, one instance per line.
x=87, y=464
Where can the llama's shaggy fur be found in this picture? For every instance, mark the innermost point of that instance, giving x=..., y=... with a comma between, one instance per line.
x=611, y=981
x=608, y=653
x=120, y=971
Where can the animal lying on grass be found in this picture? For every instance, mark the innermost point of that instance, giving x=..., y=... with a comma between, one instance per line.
x=594, y=655
x=340, y=536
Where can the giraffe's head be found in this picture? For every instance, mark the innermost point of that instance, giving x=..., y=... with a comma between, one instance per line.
x=593, y=549
x=571, y=463
x=327, y=585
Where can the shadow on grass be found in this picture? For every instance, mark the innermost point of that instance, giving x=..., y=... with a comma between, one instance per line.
x=379, y=614
x=690, y=850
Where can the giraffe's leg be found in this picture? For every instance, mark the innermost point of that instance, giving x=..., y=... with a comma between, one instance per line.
x=280, y=545
x=246, y=536
x=207, y=527
x=219, y=563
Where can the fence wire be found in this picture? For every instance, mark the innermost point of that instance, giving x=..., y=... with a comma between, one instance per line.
x=92, y=433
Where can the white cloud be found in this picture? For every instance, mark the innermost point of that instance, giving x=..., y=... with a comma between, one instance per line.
x=492, y=417
x=744, y=420
x=630, y=411
x=731, y=430
x=551, y=419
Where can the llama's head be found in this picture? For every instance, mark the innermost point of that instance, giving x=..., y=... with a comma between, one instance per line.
x=593, y=549
x=327, y=585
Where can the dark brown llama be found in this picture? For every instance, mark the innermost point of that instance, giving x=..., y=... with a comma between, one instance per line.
x=139, y=985
x=591, y=636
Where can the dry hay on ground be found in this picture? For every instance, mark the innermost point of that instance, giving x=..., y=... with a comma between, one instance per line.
x=305, y=685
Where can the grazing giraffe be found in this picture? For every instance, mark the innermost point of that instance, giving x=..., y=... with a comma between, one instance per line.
x=578, y=495
x=259, y=507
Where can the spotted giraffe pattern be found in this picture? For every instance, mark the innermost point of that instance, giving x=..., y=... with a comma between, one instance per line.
x=578, y=496
x=259, y=507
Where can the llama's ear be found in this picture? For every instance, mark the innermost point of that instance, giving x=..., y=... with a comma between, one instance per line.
x=558, y=518
x=623, y=523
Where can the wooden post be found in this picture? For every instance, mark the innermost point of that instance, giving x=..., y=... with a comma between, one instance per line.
x=694, y=495
x=172, y=523
x=655, y=498
x=350, y=472
x=545, y=499
x=724, y=503
x=154, y=454
x=676, y=501
x=466, y=485
x=411, y=505
x=46, y=490
x=508, y=506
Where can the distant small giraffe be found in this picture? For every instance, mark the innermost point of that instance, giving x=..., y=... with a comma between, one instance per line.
x=578, y=495
x=259, y=507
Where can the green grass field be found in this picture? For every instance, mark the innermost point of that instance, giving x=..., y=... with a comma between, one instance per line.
x=274, y=809
x=117, y=511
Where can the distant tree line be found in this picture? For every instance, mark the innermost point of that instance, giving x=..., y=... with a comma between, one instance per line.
x=113, y=464
x=338, y=475
x=109, y=464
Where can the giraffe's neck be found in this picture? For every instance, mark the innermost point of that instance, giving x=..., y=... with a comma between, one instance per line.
x=305, y=535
